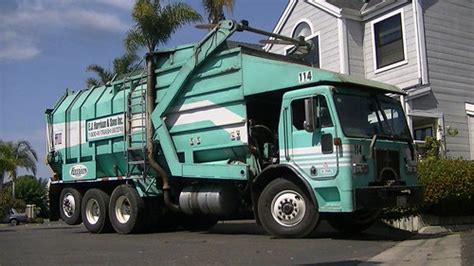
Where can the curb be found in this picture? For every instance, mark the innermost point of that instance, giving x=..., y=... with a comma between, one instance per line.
x=428, y=224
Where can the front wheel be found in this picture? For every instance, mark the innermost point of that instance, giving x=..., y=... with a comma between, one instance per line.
x=126, y=210
x=14, y=222
x=286, y=211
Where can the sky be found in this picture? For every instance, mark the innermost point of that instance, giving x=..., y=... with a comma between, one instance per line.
x=46, y=45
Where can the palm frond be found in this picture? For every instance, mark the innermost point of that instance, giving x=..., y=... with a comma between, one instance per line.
x=155, y=23
x=134, y=40
x=125, y=64
x=215, y=9
x=92, y=82
x=17, y=154
x=103, y=74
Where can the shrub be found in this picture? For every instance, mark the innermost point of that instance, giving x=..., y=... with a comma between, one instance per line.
x=33, y=191
x=7, y=202
x=37, y=220
x=449, y=186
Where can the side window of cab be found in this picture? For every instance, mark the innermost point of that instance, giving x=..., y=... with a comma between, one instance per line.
x=298, y=114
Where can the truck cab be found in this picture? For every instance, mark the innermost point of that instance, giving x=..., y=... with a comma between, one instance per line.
x=349, y=146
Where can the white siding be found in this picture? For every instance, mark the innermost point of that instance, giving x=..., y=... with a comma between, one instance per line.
x=323, y=23
x=404, y=76
x=355, y=40
x=471, y=134
x=449, y=29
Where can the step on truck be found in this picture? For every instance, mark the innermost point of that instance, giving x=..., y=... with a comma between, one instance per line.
x=217, y=130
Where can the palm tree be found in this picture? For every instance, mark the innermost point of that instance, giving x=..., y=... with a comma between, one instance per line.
x=154, y=25
x=14, y=155
x=103, y=74
x=215, y=9
x=125, y=63
x=121, y=65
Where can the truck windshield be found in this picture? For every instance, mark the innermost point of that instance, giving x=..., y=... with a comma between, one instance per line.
x=365, y=116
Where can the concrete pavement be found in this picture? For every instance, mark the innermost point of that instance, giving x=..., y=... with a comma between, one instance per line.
x=434, y=245
x=234, y=243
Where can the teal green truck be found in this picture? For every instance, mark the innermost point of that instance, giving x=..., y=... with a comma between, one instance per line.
x=218, y=130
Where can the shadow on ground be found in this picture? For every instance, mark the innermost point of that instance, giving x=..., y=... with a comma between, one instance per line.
x=377, y=232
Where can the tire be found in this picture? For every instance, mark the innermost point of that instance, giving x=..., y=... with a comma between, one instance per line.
x=14, y=222
x=94, y=209
x=197, y=223
x=127, y=210
x=286, y=211
x=353, y=223
x=70, y=206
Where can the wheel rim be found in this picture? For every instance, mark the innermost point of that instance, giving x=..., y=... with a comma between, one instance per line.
x=288, y=208
x=92, y=211
x=69, y=205
x=122, y=209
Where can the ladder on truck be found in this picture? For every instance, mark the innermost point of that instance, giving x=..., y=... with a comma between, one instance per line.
x=135, y=133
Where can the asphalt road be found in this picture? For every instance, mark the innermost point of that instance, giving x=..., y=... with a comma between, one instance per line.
x=229, y=243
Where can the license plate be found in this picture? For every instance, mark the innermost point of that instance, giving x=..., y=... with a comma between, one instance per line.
x=401, y=201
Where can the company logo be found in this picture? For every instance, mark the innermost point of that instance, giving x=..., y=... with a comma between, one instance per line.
x=78, y=171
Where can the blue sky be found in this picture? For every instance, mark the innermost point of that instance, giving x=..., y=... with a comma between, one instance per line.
x=46, y=45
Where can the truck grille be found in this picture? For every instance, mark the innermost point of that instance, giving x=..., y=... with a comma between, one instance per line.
x=387, y=165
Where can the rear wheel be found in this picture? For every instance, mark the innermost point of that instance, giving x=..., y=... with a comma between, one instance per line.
x=353, y=223
x=285, y=210
x=94, y=210
x=126, y=210
x=70, y=206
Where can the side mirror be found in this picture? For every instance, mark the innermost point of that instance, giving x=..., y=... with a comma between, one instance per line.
x=309, y=113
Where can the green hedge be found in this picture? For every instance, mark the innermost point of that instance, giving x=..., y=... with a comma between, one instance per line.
x=449, y=186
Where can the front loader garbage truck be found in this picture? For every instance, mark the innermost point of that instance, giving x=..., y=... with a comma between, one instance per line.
x=216, y=130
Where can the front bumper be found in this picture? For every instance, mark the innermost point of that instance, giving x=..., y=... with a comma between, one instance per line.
x=385, y=197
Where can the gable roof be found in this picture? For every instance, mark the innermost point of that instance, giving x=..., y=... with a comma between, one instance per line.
x=359, y=5
x=281, y=22
x=353, y=9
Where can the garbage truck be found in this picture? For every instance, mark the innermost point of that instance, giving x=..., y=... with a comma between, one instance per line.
x=217, y=130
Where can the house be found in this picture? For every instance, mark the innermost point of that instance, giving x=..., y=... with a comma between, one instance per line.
x=424, y=47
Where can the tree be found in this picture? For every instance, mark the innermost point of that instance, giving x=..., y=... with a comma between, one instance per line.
x=215, y=9
x=33, y=191
x=125, y=63
x=14, y=155
x=7, y=201
x=121, y=65
x=154, y=23
x=103, y=74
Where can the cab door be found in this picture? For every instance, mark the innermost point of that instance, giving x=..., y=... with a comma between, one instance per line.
x=312, y=151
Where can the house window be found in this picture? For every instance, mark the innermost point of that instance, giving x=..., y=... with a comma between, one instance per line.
x=388, y=41
x=422, y=133
x=304, y=29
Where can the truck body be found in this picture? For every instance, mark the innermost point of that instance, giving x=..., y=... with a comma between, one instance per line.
x=240, y=132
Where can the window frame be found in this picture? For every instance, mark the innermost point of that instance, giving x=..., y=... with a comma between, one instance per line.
x=433, y=133
x=312, y=35
x=294, y=128
x=374, y=49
